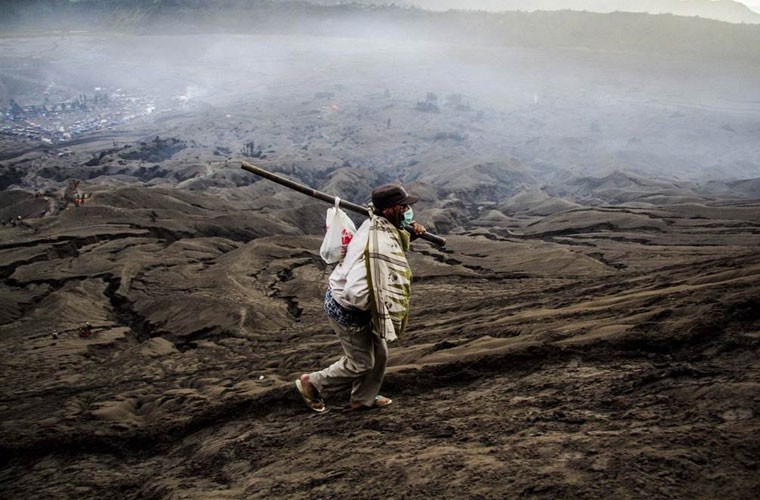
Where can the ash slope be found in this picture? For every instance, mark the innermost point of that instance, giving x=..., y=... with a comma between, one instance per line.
x=599, y=348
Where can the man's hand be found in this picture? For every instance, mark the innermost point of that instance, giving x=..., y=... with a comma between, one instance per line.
x=417, y=228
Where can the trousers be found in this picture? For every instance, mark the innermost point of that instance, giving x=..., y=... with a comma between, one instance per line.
x=362, y=366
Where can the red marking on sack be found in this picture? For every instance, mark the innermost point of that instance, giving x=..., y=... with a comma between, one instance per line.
x=346, y=237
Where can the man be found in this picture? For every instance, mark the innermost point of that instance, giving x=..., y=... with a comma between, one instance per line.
x=367, y=302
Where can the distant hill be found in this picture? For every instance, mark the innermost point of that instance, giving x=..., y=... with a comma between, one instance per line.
x=720, y=10
x=618, y=32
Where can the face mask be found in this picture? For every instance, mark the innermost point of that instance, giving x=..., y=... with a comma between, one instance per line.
x=408, y=217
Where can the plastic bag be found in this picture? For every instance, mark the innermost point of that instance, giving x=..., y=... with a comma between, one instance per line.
x=340, y=231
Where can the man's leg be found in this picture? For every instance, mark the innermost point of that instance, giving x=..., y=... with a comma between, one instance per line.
x=358, y=359
x=365, y=388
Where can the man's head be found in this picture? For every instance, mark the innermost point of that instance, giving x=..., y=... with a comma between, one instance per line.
x=391, y=201
x=390, y=195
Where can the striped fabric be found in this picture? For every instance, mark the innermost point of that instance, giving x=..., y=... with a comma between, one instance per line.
x=389, y=277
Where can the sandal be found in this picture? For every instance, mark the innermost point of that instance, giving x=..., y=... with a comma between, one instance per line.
x=316, y=404
x=380, y=402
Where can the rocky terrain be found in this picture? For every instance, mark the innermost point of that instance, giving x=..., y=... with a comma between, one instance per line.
x=591, y=328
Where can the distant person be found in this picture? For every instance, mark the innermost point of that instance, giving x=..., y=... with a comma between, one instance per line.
x=86, y=330
x=367, y=303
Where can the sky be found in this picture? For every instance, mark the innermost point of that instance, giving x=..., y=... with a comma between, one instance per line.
x=754, y=5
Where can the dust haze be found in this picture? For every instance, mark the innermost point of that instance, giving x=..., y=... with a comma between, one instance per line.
x=591, y=112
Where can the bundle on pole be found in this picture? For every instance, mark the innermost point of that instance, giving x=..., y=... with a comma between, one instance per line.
x=283, y=181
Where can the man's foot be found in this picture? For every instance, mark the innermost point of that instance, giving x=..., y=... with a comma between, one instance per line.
x=380, y=402
x=310, y=394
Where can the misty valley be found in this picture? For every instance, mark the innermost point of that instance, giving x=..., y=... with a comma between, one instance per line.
x=590, y=328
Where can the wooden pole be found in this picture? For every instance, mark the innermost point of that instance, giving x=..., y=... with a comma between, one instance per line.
x=283, y=181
